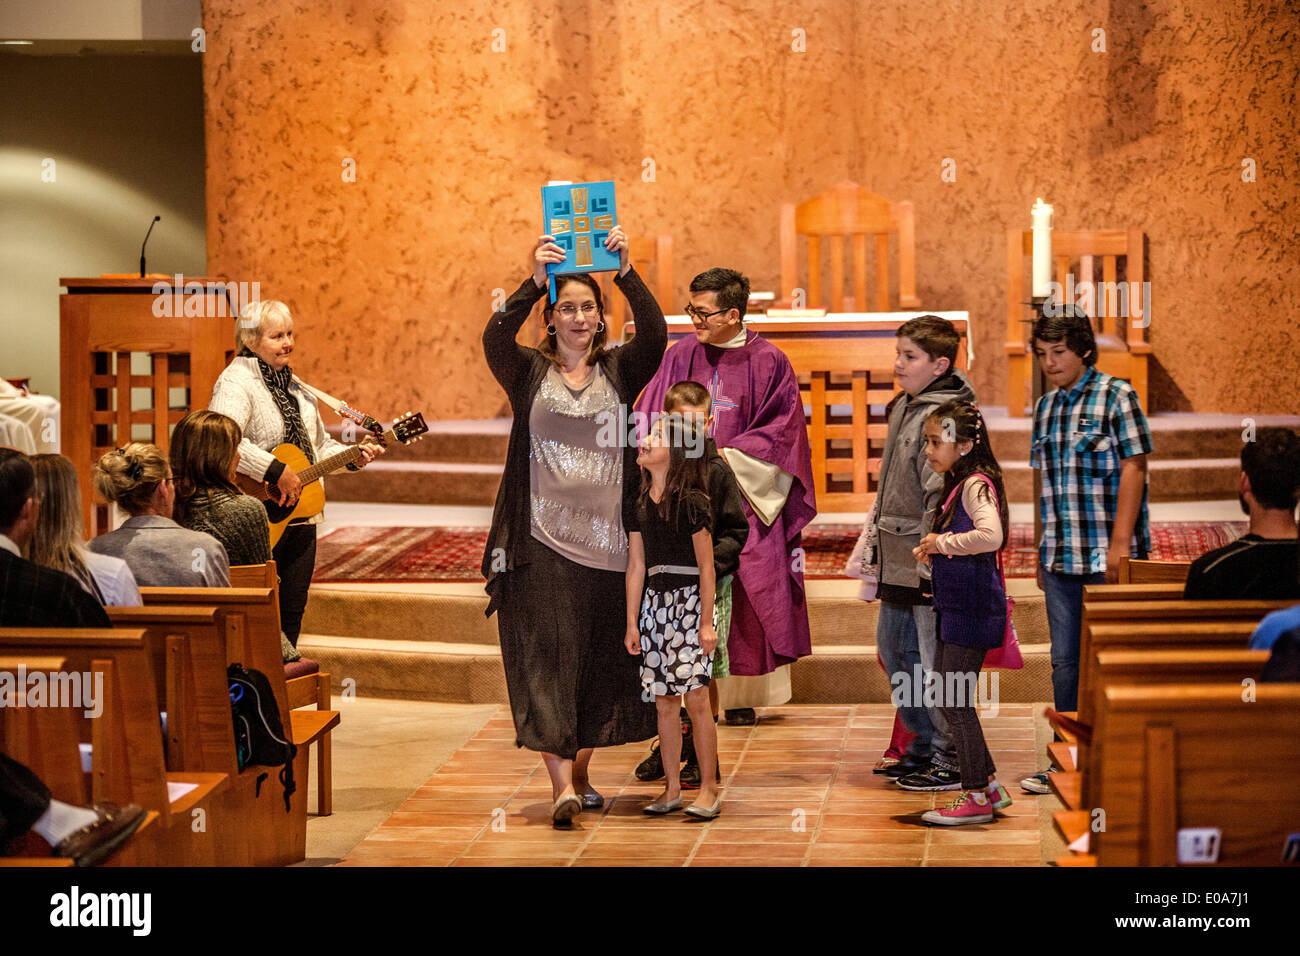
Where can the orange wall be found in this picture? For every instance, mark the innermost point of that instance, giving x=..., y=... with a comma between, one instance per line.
x=392, y=277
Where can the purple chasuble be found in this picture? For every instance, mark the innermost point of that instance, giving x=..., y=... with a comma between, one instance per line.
x=756, y=410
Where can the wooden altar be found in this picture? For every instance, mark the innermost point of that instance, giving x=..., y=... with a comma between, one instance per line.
x=845, y=366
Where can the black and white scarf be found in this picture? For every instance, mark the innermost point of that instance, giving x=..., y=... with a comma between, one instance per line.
x=277, y=383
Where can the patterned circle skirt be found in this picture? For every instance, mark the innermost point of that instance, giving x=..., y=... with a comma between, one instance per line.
x=672, y=662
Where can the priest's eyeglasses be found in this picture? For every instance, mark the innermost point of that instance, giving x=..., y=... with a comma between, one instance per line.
x=569, y=310
x=699, y=316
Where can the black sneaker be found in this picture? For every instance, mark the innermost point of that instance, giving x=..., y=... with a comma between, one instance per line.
x=907, y=765
x=932, y=778
x=652, y=768
x=742, y=717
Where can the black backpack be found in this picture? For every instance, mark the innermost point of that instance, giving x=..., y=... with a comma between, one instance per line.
x=1283, y=665
x=259, y=732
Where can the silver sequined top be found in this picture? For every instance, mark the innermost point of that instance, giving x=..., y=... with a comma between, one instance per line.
x=576, y=485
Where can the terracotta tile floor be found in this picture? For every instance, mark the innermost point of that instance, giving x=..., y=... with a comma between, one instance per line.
x=797, y=791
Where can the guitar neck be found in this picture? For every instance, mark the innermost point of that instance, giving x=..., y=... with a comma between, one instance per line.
x=335, y=462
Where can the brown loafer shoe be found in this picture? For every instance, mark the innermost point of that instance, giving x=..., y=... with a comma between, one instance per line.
x=96, y=842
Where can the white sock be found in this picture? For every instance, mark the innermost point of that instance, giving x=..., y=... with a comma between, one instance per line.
x=61, y=820
x=993, y=785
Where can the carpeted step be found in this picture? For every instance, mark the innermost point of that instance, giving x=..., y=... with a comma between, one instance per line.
x=414, y=670
x=439, y=618
x=400, y=616
x=849, y=674
x=472, y=673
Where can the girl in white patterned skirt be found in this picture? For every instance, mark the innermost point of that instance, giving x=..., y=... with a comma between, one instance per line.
x=670, y=579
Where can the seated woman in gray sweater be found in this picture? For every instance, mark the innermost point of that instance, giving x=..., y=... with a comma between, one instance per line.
x=159, y=552
x=205, y=454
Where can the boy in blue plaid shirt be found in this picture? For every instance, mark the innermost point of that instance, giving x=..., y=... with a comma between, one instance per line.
x=1090, y=441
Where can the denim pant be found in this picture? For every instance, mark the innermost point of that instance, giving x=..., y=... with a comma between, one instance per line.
x=906, y=639
x=1064, y=593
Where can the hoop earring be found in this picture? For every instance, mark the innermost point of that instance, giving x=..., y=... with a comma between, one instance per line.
x=600, y=326
x=550, y=330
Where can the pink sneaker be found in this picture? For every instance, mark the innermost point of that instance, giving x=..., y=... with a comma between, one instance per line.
x=971, y=806
x=999, y=797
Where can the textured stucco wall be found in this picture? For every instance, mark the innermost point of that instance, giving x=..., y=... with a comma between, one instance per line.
x=392, y=276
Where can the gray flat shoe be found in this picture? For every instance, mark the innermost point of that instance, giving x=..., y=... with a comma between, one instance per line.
x=564, y=810
x=659, y=808
x=705, y=813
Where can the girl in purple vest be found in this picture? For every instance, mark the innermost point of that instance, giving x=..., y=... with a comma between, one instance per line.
x=970, y=600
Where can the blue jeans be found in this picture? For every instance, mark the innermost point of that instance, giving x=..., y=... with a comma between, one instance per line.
x=908, y=646
x=1064, y=593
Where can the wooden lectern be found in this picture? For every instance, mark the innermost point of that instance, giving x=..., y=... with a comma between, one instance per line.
x=186, y=329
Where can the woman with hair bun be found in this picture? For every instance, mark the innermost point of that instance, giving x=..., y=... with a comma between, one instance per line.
x=160, y=552
x=56, y=541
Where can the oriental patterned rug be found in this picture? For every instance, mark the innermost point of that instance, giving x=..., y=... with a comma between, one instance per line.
x=454, y=554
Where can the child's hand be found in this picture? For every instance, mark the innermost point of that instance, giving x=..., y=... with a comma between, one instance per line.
x=632, y=641
x=708, y=638
x=929, y=545
x=920, y=554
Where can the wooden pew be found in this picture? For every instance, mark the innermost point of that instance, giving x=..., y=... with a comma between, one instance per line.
x=188, y=650
x=1137, y=625
x=1197, y=755
x=1156, y=591
x=44, y=739
x=251, y=624
x=128, y=765
x=1115, y=668
x=306, y=685
x=1141, y=571
x=1199, y=620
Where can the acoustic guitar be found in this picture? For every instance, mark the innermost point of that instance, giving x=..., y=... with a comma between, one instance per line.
x=407, y=429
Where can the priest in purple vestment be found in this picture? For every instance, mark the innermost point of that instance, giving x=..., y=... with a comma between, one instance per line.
x=759, y=428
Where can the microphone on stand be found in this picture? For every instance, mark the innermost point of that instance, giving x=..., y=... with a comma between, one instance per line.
x=146, y=240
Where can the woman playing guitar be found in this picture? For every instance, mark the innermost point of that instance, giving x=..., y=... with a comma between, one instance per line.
x=259, y=391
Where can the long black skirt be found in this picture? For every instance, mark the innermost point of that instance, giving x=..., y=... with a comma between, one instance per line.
x=571, y=681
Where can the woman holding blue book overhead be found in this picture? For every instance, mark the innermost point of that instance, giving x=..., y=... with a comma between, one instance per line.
x=557, y=550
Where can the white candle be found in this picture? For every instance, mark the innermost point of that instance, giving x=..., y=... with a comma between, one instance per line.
x=1041, y=217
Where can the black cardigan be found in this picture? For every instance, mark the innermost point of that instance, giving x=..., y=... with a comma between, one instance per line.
x=521, y=370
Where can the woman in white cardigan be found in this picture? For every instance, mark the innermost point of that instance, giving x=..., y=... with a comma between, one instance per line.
x=259, y=391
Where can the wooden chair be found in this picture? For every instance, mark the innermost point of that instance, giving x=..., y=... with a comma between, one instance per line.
x=128, y=765
x=652, y=257
x=849, y=212
x=306, y=685
x=1139, y=571
x=1168, y=754
x=1122, y=345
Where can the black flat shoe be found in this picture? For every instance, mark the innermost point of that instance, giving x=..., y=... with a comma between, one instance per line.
x=742, y=717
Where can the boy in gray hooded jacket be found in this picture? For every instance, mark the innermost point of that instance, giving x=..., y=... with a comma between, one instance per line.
x=907, y=493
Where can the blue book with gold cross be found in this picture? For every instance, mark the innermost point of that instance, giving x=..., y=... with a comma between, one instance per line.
x=579, y=216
